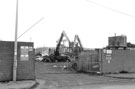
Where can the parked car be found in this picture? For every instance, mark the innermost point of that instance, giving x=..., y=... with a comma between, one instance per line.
x=39, y=58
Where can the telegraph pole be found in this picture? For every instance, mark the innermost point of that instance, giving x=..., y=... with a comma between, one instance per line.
x=15, y=45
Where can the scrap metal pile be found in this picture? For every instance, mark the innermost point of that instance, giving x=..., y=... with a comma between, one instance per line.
x=64, y=53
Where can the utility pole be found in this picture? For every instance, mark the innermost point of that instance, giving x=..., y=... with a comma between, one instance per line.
x=15, y=45
x=15, y=42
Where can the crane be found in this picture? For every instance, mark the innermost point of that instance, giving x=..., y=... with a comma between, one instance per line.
x=79, y=41
x=63, y=34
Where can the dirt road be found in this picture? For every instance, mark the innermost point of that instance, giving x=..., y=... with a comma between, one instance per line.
x=53, y=76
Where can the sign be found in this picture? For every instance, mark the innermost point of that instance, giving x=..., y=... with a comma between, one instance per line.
x=109, y=51
x=30, y=48
x=24, y=53
x=108, y=58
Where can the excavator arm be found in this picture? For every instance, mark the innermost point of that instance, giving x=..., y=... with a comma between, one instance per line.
x=79, y=41
x=63, y=34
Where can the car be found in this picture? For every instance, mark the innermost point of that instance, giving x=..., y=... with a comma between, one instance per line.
x=39, y=58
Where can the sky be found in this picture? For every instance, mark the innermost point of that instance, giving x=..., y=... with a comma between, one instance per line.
x=93, y=20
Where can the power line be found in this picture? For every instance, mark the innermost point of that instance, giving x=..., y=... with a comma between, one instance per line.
x=31, y=27
x=111, y=9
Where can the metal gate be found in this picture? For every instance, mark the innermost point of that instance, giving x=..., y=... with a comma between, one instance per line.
x=90, y=61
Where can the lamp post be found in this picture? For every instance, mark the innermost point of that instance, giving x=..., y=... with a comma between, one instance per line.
x=15, y=45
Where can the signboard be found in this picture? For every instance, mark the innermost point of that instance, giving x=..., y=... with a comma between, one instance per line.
x=108, y=53
x=25, y=53
x=108, y=58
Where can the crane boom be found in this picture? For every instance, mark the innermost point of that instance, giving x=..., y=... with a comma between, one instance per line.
x=63, y=34
x=79, y=41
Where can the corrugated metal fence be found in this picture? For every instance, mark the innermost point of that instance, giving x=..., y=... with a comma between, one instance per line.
x=89, y=61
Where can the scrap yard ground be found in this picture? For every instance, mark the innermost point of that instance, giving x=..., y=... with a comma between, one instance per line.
x=53, y=76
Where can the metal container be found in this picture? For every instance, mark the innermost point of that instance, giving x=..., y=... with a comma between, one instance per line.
x=116, y=61
x=25, y=58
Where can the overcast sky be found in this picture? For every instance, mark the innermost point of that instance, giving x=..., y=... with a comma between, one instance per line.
x=93, y=20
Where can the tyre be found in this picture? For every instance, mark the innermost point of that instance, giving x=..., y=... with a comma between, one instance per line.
x=67, y=60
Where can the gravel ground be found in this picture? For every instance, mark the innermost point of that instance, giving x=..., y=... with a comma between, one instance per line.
x=58, y=78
